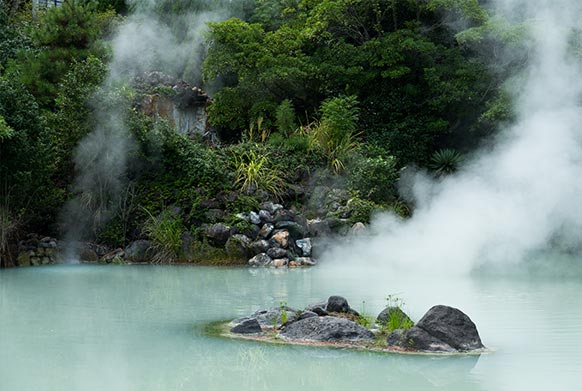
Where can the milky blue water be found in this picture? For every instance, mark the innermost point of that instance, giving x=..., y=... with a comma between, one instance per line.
x=141, y=328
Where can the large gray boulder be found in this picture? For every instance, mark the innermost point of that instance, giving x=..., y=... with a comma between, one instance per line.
x=276, y=316
x=416, y=339
x=305, y=246
x=138, y=251
x=238, y=247
x=451, y=326
x=259, y=246
x=327, y=329
x=218, y=234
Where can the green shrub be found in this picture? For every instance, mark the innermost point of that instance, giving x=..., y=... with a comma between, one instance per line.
x=397, y=318
x=374, y=179
x=285, y=118
x=336, y=132
x=165, y=233
x=361, y=210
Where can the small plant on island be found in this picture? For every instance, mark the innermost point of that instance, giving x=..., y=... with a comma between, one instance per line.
x=393, y=316
x=364, y=318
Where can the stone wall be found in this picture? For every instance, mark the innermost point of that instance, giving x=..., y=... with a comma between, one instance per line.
x=37, y=251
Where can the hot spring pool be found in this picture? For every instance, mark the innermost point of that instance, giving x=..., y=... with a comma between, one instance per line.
x=142, y=328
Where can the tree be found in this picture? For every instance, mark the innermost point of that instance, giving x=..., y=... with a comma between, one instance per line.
x=64, y=35
x=419, y=89
x=26, y=157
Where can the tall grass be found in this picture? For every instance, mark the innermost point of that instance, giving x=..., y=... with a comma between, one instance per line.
x=254, y=172
x=165, y=233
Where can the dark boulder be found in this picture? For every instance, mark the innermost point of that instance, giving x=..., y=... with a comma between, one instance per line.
x=238, y=247
x=297, y=231
x=251, y=231
x=284, y=215
x=138, y=251
x=277, y=252
x=416, y=339
x=218, y=234
x=247, y=326
x=337, y=304
x=259, y=246
x=451, y=326
x=328, y=329
x=318, y=308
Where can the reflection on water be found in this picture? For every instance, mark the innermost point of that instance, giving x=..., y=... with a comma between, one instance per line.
x=141, y=328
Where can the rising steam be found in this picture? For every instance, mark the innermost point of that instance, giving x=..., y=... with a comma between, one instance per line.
x=144, y=42
x=518, y=199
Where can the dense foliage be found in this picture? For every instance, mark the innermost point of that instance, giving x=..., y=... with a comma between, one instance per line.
x=419, y=90
x=307, y=92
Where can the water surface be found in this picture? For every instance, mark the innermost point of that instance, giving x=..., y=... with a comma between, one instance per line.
x=141, y=328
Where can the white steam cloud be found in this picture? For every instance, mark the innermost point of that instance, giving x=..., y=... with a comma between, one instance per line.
x=521, y=197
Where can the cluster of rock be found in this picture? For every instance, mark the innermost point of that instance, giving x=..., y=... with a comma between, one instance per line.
x=138, y=251
x=37, y=251
x=271, y=235
x=442, y=329
x=274, y=236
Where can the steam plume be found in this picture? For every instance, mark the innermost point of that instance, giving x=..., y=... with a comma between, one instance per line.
x=144, y=42
x=520, y=198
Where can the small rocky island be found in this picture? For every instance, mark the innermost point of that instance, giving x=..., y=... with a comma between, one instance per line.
x=442, y=329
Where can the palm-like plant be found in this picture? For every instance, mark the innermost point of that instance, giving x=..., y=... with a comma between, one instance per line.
x=445, y=161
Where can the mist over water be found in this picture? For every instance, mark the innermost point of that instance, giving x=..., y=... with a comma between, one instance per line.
x=515, y=200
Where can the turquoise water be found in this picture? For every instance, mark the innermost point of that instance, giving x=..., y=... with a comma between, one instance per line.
x=141, y=328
